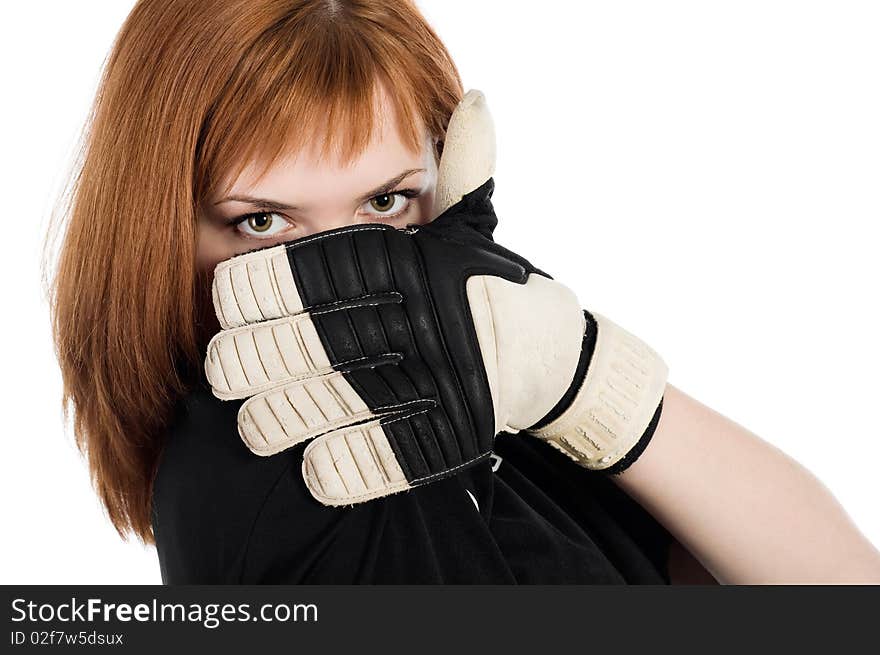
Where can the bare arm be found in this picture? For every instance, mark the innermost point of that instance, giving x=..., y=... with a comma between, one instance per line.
x=747, y=511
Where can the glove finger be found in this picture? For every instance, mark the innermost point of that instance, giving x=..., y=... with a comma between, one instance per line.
x=468, y=158
x=255, y=286
x=370, y=461
x=352, y=466
x=287, y=415
x=250, y=359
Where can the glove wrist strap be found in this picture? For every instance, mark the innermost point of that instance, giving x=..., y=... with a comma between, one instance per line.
x=616, y=404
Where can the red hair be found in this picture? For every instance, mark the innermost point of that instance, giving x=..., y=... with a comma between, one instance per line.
x=190, y=89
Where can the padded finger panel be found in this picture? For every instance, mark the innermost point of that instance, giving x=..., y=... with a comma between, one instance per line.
x=250, y=359
x=285, y=416
x=352, y=466
x=256, y=286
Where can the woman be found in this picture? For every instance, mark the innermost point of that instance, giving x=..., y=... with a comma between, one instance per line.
x=198, y=99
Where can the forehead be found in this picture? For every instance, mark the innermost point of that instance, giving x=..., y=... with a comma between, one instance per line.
x=296, y=172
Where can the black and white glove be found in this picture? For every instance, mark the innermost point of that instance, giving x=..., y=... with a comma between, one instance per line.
x=402, y=353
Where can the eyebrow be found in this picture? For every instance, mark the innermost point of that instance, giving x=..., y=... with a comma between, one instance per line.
x=267, y=203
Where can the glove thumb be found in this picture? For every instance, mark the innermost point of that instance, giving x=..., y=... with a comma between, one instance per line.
x=468, y=158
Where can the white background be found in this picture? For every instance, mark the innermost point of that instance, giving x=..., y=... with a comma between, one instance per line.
x=704, y=173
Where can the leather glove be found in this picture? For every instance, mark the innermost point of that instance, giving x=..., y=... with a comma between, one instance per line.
x=402, y=353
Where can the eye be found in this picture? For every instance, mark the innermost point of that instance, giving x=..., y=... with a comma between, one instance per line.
x=261, y=224
x=391, y=204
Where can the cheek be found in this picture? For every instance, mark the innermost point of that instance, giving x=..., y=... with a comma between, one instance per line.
x=212, y=248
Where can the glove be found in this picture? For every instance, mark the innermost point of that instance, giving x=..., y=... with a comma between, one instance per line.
x=402, y=353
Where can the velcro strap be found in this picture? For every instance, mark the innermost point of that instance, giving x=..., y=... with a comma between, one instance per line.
x=623, y=386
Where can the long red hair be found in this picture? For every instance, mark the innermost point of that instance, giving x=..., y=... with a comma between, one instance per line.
x=190, y=89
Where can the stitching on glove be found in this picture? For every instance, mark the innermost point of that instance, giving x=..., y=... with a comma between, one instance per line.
x=380, y=360
x=388, y=409
x=402, y=417
x=449, y=471
x=352, y=361
x=324, y=235
x=339, y=305
x=405, y=416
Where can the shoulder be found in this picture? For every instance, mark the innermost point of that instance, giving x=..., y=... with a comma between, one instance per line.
x=208, y=491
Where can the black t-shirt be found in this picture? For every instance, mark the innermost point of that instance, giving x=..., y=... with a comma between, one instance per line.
x=223, y=515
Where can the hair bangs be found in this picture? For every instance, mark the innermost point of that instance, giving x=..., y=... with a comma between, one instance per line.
x=320, y=92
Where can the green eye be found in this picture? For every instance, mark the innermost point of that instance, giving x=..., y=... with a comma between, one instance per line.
x=383, y=203
x=260, y=222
